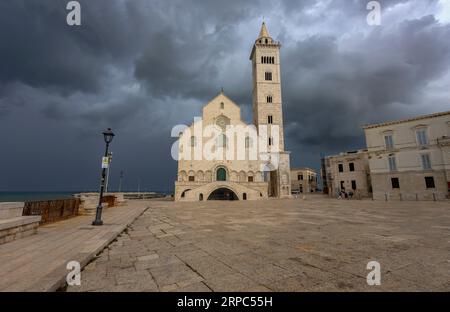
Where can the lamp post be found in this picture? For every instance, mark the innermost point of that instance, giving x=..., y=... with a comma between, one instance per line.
x=108, y=135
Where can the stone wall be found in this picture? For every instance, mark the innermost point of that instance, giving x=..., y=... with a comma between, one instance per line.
x=412, y=186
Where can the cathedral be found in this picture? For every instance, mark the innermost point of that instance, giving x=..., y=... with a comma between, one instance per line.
x=220, y=157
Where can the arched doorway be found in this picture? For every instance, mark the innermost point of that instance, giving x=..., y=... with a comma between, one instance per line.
x=223, y=194
x=184, y=193
x=221, y=174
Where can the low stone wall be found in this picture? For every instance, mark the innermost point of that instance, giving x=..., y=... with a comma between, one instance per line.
x=15, y=228
x=13, y=225
x=89, y=201
x=52, y=210
x=11, y=210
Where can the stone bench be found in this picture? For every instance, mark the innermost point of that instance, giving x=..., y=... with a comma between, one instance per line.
x=18, y=227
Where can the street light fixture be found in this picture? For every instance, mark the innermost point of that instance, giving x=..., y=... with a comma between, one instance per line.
x=108, y=135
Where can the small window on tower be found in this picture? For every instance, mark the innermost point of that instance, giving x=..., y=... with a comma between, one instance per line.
x=269, y=99
x=222, y=105
x=270, y=119
x=270, y=141
x=268, y=76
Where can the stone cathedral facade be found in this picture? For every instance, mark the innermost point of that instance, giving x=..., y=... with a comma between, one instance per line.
x=222, y=157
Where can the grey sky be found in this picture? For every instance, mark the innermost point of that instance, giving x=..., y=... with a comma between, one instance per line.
x=141, y=67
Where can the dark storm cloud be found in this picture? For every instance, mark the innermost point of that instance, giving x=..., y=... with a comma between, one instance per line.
x=41, y=50
x=142, y=67
x=361, y=86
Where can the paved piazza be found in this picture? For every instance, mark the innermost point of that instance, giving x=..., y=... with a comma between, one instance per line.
x=317, y=244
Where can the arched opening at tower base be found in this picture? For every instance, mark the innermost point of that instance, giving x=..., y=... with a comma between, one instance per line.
x=223, y=194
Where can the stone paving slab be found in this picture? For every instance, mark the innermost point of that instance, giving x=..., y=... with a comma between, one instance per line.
x=318, y=244
x=38, y=262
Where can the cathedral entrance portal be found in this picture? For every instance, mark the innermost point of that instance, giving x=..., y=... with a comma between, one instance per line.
x=223, y=194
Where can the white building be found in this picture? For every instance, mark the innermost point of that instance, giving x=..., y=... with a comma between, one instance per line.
x=410, y=159
x=231, y=176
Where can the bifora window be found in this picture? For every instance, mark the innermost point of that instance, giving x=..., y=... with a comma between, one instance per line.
x=268, y=76
x=270, y=119
x=269, y=99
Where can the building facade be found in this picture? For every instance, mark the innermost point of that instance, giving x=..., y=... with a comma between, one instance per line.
x=410, y=159
x=347, y=172
x=249, y=161
x=303, y=180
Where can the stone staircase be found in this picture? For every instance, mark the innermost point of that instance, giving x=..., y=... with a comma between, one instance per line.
x=13, y=225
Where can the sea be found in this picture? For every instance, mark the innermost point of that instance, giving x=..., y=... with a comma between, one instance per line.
x=36, y=196
x=33, y=196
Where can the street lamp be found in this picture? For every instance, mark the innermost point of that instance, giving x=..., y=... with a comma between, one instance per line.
x=108, y=135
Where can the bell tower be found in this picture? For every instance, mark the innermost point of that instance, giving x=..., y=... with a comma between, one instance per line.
x=267, y=107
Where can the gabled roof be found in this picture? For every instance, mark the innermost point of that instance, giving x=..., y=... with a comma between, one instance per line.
x=222, y=94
